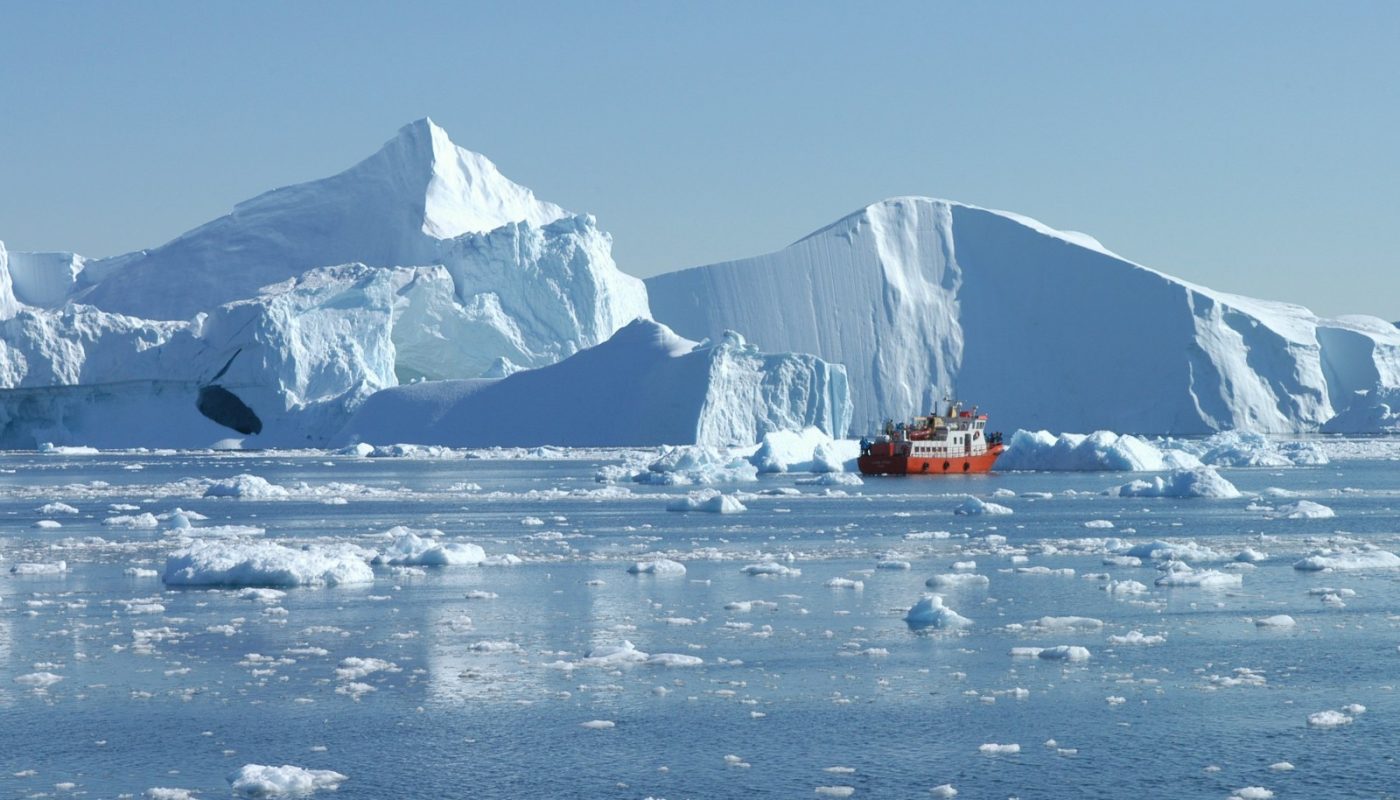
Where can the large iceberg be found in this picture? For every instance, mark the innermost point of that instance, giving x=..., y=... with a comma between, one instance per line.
x=644, y=386
x=922, y=298
x=245, y=326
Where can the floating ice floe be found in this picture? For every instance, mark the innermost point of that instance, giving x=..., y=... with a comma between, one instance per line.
x=1201, y=578
x=1063, y=652
x=407, y=547
x=598, y=724
x=943, y=790
x=696, y=464
x=614, y=654
x=711, y=501
x=144, y=521
x=1137, y=638
x=657, y=566
x=894, y=564
x=973, y=506
x=1252, y=793
x=246, y=487
x=38, y=680
x=994, y=749
x=1158, y=550
x=1101, y=450
x=258, y=780
x=1124, y=587
x=808, y=450
x=1328, y=719
x=49, y=568
x=1067, y=624
x=771, y=568
x=56, y=508
x=264, y=563
x=930, y=612
x=832, y=479
x=1305, y=509
x=1275, y=621
x=844, y=583
x=836, y=791
x=1199, y=482
x=1338, y=560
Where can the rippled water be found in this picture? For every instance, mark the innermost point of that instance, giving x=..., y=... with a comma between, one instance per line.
x=822, y=678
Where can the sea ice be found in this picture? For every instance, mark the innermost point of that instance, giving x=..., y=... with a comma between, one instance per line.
x=930, y=612
x=257, y=780
x=407, y=547
x=657, y=566
x=1333, y=560
x=1199, y=482
x=973, y=506
x=711, y=501
x=246, y=487
x=264, y=563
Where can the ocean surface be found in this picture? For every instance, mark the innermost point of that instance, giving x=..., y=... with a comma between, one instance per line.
x=112, y=684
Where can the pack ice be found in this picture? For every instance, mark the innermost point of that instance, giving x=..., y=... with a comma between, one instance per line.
x=277, y=321
x=919, y=298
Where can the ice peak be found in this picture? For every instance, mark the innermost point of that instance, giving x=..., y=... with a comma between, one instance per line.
x=463, y=191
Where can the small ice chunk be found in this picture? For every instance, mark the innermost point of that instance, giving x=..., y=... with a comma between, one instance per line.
x=246, y=487
x=598, y=724
x=1276, y=621
x=930, y=612
x=1328, y=719
x=657, y=566
x=993, y=749
x=973, y=506
x=258, y=780
x=771, y=568
x=710, y=501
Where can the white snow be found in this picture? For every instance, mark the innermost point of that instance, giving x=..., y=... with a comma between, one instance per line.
x=258, y=780
x=264, y=563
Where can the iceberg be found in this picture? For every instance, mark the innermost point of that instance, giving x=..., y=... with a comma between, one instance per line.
x=644, y=386
x=921, y=298
x=276, y=321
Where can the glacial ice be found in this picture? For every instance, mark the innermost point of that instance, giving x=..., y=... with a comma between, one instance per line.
x=1199, y=482
x=1048, y=329
x=643, y=386
x=930, y=612
x=408, y=547
x=259, y=780
x=264, y=563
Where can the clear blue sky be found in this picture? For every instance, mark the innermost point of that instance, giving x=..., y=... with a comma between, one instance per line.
x=1251, y=147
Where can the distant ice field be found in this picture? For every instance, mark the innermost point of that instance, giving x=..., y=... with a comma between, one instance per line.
x=778, y=664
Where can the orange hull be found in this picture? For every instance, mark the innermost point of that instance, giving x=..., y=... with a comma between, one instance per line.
x=911, y=465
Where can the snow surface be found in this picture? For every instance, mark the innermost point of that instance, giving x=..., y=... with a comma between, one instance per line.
x=922, y=298
x=644, y=386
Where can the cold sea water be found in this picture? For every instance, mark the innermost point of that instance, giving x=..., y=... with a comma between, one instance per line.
x=475, y=681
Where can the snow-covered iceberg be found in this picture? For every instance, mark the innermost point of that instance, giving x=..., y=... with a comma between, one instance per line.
x=447, y=270
x=920, y=298
x=644, y=386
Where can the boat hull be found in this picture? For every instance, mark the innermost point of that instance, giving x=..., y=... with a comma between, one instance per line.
x=909, y=465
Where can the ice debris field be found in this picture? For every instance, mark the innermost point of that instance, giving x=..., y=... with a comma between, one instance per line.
x=1125, y=616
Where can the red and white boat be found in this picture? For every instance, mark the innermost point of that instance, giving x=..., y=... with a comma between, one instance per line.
x=954, y=443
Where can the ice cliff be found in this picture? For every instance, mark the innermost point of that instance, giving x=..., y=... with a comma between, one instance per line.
x=919, y=298
x=644, y=386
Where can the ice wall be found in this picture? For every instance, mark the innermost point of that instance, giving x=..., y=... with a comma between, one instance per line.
x=919, y=298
